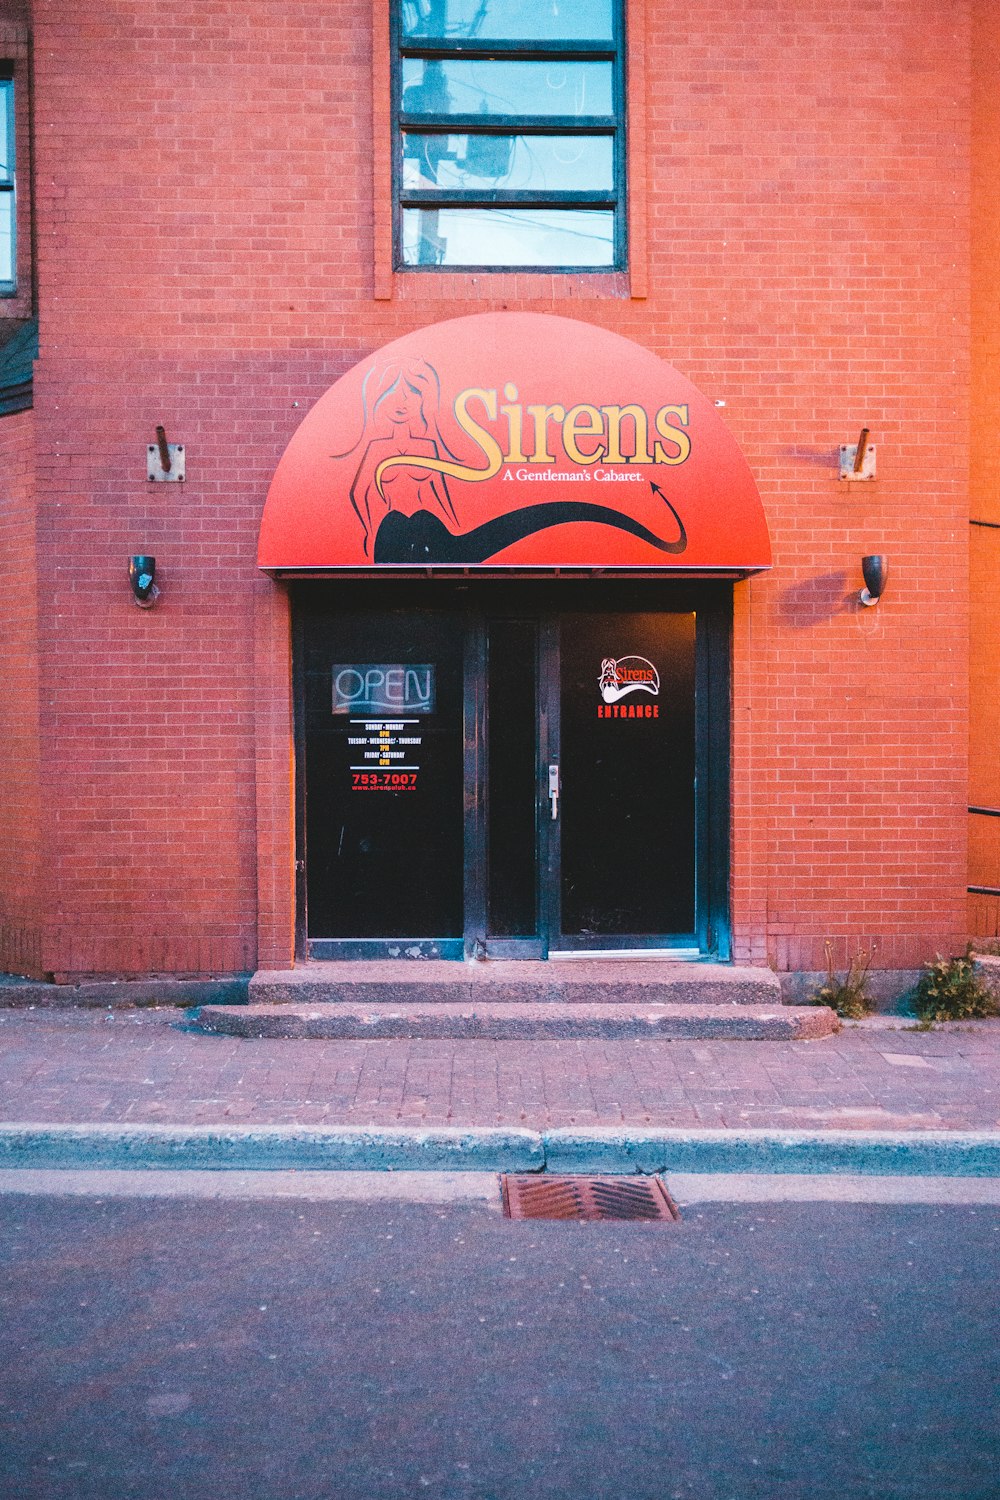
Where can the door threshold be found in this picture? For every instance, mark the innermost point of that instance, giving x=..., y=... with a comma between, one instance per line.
x=633, y=955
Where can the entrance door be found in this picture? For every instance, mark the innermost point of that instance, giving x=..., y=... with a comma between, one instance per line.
x=624, y=744
x=513, y=780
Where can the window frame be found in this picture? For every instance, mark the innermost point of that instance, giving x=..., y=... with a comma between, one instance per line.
x=437, y=49
x=8, y=178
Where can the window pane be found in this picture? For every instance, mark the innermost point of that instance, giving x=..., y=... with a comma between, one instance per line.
x=509, y=20
x=508, y=237
x=551, y=162
x=384, y=827
x=506, y=88
x=6, y=237
x=6, y=131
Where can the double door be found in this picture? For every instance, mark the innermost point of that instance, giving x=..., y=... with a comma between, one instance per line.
x=511, y=772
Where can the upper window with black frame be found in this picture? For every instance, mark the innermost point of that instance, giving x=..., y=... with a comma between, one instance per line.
x=8, y=207
x=509, y=144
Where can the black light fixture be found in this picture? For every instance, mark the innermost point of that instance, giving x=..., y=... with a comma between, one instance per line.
x=875, y=570
x=141, y=573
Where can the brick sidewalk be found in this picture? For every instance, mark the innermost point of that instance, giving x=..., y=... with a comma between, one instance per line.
x=143, y=1066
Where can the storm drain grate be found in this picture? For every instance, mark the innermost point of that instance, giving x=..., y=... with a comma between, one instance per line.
x=632, y=1198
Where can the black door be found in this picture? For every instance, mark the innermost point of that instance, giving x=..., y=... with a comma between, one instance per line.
x=506, y=779
x=625, y=821
x=384, y=815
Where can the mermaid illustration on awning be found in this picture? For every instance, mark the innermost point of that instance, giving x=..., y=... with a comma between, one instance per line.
x=400, y=491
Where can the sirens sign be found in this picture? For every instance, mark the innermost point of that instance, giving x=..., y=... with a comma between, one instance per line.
x=513, y=441
x=630, y=674
x=622, y=677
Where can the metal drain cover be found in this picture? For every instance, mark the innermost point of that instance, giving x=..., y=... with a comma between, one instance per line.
x=632, y=1198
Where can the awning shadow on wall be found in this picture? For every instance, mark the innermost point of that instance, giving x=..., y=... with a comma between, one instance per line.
x=814, y=600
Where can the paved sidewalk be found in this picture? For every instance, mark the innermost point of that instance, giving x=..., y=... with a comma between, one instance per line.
x=147, y=1067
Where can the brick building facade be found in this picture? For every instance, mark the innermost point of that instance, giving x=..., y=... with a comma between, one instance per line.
x=205, y=233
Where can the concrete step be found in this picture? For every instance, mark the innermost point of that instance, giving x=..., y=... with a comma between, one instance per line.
x=565, y=982
x=519, y=1021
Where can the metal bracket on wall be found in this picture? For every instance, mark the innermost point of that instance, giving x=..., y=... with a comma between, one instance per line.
x=857, y=460
x=165, y=461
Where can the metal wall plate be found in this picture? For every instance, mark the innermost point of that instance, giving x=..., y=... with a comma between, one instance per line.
x=848, y=453
x=156, y=471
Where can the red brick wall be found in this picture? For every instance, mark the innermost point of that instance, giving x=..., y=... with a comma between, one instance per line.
x=984, y=497
x=20, y=870
x=20, y=823
x=207, y=252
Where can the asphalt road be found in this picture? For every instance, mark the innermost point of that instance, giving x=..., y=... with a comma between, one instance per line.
x=344, y=1351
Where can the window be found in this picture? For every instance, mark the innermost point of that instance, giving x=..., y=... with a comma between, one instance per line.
x=8, y=238
x=509, y=144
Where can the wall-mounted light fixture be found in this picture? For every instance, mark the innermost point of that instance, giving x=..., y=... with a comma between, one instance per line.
x=875, y=570
x=141, y=573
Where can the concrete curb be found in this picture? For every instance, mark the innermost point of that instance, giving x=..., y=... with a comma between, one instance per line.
x=891, y=989
x=20, y=994
x=272, y=1147
x=937, y=1153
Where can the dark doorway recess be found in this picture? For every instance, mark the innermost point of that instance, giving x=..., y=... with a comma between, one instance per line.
x=512, y=768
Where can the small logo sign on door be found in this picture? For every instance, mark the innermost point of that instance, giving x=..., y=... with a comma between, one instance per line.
x=629, y=674
x=621, y=677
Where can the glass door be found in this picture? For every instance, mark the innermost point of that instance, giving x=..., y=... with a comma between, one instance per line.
x=384, y=776
x=624, y=783
x=590, y=810
x=498, y=777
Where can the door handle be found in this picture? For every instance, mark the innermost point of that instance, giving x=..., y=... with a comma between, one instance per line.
x=554, y=790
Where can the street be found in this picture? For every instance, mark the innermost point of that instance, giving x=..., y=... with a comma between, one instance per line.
x=297, y=1350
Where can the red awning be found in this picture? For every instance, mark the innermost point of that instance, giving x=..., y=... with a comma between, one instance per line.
x=514, y=442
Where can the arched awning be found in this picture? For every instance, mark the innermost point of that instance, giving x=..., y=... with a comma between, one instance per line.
x=513, y=442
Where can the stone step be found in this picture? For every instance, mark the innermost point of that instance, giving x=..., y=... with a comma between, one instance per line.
x=519, y=1021
x=565, y=982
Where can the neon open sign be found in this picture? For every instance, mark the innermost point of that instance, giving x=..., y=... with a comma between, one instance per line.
x=367, y=688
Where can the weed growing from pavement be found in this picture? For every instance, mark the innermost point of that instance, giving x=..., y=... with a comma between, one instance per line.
x=849, y=996
x=950, y=990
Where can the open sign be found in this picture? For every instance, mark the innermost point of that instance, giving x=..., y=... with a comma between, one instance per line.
x=371, y=688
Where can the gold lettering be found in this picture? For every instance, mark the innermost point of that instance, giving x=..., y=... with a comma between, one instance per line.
x=513, y=415
x=486, y=441
x=541, y=415
x=641, y=453
x=583, y=421
x=672, y=434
